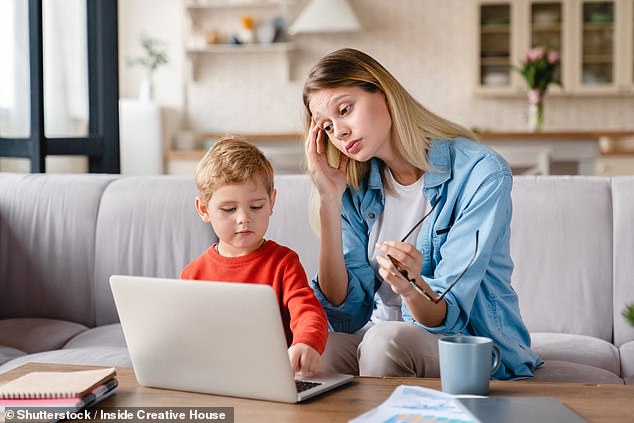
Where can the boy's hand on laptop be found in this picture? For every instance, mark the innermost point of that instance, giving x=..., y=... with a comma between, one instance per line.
x=304, y=359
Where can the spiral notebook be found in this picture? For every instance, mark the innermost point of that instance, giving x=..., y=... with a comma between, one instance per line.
x=51, y=385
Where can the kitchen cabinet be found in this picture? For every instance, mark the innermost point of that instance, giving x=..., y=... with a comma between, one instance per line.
x=219, y=27
x=498, y=46
x=594, y=37
x=569, y=153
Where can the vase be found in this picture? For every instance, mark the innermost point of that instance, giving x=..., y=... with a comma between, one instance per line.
x=535, y=115
x=146, y=89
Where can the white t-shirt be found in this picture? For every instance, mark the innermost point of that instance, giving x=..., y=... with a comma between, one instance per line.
x=403, y=209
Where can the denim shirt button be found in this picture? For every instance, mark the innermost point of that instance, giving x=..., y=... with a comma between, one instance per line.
x=371, y=216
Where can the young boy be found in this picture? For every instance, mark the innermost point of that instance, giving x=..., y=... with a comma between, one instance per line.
x=235, y=183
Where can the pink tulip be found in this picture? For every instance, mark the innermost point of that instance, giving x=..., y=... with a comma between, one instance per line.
x=553, y=57
x=534, y=96
x=535, y=54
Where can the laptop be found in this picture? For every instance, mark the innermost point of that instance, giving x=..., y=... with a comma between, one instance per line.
x=212, y=337
x=520, y=410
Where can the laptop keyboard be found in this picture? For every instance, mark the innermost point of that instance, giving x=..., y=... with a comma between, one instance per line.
x=302, y=386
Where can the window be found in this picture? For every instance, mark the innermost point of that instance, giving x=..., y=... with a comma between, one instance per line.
x=55, y=98
x=7, y=35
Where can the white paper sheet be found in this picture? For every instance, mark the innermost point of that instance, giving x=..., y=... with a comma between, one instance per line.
x=417, y=404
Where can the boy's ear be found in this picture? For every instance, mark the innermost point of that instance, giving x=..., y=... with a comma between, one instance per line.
x=201, y=208
x=272, y=197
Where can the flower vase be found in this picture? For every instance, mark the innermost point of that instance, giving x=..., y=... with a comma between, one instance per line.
x=535, y=115
x=146, y=89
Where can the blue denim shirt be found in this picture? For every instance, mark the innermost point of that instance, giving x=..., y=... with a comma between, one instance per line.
x=470, y=189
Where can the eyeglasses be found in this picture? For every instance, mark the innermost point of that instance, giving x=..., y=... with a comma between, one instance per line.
x=412, y=281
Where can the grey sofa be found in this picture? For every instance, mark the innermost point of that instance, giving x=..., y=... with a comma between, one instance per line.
x=62, y=236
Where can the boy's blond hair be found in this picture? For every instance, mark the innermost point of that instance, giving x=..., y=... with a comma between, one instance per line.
x=231, y=160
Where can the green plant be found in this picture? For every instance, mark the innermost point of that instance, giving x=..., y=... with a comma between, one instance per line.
x=628, y=313
x=154, y=54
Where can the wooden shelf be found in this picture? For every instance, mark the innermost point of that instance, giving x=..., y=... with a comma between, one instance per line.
x=184, y=154
x=272, y=139
x=495, y=61
x=546, y=28
x=252, y=137
x=196, y=53
x=495, y=29
x=241, y=48
x=235, y=4
x=202, y=16
x=598, y=26
x=598, y=58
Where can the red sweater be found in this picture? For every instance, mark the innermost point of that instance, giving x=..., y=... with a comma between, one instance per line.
x=278, y=266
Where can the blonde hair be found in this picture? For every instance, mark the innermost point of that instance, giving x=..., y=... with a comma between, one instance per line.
x=413, y=125
x=231, y=160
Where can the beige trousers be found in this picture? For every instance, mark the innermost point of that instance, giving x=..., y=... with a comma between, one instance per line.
x=385, y=349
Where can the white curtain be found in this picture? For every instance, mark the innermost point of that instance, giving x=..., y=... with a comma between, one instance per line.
x=65, y=68
x=14, y=75
x=65, y=77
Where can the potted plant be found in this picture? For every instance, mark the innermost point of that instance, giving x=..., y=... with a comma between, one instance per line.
x=628, y=313
x=154, y=55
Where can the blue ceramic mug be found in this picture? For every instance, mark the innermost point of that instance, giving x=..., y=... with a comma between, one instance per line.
x=466, y=364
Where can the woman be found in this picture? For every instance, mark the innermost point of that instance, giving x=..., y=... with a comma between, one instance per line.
x=408, y=206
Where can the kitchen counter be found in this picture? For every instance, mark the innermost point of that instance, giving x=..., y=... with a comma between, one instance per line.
x=570, y=152
x=553, y=135
x=559, y=152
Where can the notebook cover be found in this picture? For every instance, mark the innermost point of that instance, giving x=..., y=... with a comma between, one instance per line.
x=71, y=402
x=37, y=385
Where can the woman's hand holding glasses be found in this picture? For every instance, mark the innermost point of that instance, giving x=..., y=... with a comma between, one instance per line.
x=400, y=267
x=393, y=262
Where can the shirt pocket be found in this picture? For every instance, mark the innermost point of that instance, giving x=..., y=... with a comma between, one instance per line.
x=439, y=238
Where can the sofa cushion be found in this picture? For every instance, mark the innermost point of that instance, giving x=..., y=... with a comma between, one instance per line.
x=36, y=335
x=561, y=244
x=623, y=209
x=109, y=356
x=47, y=245
x=157, y=233
x=627, y=361
x=101, y=336
x=8, y=353
x=568, y=372
x=577, y=349
x=291, y=209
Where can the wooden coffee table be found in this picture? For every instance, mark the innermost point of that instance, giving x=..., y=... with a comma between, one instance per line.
x=595, y=403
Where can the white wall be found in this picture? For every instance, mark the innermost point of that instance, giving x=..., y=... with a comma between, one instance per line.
x=427, y=44
x=163, y=20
